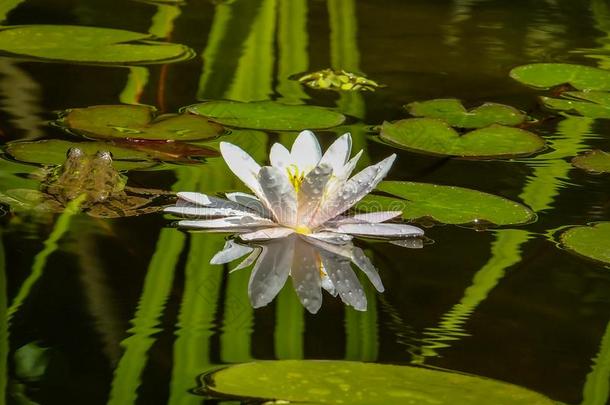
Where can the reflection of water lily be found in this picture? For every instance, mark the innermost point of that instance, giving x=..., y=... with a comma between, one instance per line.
x=297, y=217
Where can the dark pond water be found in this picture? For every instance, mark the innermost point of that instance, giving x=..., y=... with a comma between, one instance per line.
x=128, y=310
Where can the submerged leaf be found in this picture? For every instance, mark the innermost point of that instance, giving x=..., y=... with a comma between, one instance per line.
x=88, y=45
x=345, y=382
x=589, y=241
x=547, y=75
x=137, y=121
x=596, y=161
x=453, y=112
x=434, y=136
x=447, y=204
x=268, y=115
x=53, y=152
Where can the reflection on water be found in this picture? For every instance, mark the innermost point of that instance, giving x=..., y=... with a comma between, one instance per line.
x=490, y=303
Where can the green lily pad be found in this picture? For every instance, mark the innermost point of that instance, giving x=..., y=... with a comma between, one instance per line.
x=547, y=75
x=346, y=382
x=89, y=45
x=446, y=204
x=592, y=104
x=596, y=161
x=268, y=115
x=430, y=135
x=453, y=112
x=53, y=152
x=589, y=241
x=137, y=121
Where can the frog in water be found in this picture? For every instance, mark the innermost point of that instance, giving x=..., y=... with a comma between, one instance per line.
x=104, y=189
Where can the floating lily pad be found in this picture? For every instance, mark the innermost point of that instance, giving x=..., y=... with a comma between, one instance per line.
x=137, y=121
x=592, y=104
x=435, y=136
x=345, y=382
x=547, y=75
x=53, y=152
x=88, y=45
x=594, y=161
x=268, y=115
x=589, y=241
x=446, y=204
x=453, y=112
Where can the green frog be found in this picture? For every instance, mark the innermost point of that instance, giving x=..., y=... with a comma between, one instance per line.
x=102, y=188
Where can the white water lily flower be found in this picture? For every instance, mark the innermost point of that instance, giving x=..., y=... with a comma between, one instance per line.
x=297, y=218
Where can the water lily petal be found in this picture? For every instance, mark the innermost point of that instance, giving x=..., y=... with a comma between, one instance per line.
x=409, y=243
x=338, y=153
x=270, y=271
x=228, y=223
x=331, y=237
x=376, y=217
x=231, y=251
x=194, y=198
x=279, y=156
x=380, y=230
x=344, y=279
x=311, y=192
x=279, y=194
x=326, y=283
x=242, y=165
x=248, y=260
x=340, y=176
x=353, y=191
x=321, y=243
x=267, y=233
x=365, y=264
x=306, y=151
x=204, y=212
x=305, y=275
x=250, y=202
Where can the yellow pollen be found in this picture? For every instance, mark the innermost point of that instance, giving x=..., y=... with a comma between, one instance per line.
x=295, y=177
x=302, y=229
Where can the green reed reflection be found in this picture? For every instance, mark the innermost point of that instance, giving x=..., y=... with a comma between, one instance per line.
x=4, y=344
x=597, y=386
x=292, y=45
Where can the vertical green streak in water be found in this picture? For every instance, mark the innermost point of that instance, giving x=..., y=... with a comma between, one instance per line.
x=292, y=43
x=601, y=15
x=505, y=252
x=361, y=327
x=155, y=292
x=50, y=246
x=551, y=169
x=289, y=325
x=6, y=6
x=254, y=75
x=4, y=344
x=237, y=323
x=597, y=385
x=137, y=78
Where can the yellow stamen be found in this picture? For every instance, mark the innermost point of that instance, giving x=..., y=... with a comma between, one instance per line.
x=302, y=229
x=295, y=177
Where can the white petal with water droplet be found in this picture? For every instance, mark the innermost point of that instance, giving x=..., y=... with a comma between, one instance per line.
x=228, y=223
x=311, y=192
x=306, y=151
x=270, y=271
x=204, y=212
x=194, y=198
x=338, y=153
x=242, y=165
x=305, y=273
x=231, y=251
x=365, y=264
x=344, y=279
x=279, y=195
x=248, y=260
x=380, y=230
x=279, y=156
x=250, y=202
x=267, y=233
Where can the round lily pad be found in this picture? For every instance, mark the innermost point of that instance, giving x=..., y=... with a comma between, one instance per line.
x=345, y=382
x=592, y=104
x=430, y=135
x=89, y=45
x=453, y=112
x=53, y=152
x=589, y=241
x=268, y=115
x=446, y=204
x=137, y=121
x=596, y=161
x=547, y=75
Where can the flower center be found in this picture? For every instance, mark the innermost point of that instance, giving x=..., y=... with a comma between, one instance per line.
x=302, y=229
x=295, y=176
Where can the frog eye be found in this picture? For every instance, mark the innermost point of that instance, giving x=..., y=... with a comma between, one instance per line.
x=105, y=155
x=75, y=153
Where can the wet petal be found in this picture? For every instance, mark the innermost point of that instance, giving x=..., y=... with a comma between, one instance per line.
x=344, y=279
x=250, y=202
x=305, y=275
x=331, y=237
x=248, y=260
x=267, y=233
x=365, y=264
x=409, y=243
x=228, y=223
x=204, y=212
x=231, y=251
x=279, y=194
x=353, y=190
x=306, y=151
x=380, y=230
x=194, y=198
x=327, y=284
x=338, y=153
x=242, y=165
x=270, y=271
x=376, y=217
x=279, y=156
x=311, y=192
